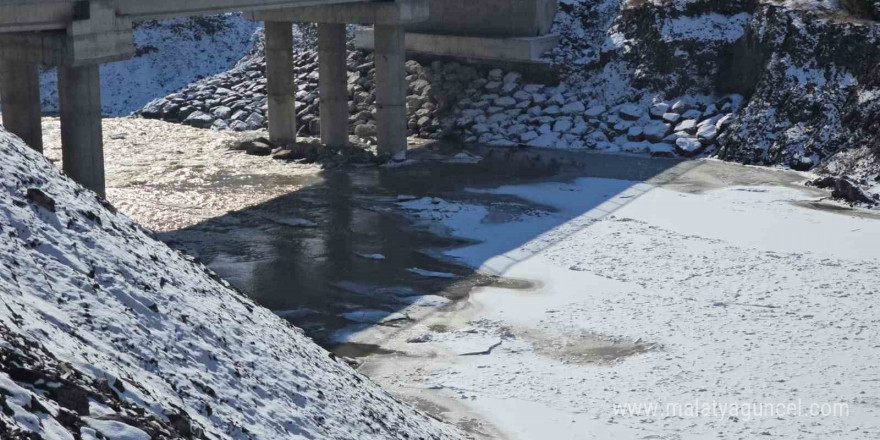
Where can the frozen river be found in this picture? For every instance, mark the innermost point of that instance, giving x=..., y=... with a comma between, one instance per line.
x=529, y=295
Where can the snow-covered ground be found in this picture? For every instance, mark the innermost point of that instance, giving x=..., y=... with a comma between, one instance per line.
x=100, y=308
x=174, y=53
x=709, y=284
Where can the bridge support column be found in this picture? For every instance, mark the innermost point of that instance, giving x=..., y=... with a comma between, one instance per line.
x=20, y=96
x=332, y=73
x=390, y=91
x=82, y=147
x=281, y=88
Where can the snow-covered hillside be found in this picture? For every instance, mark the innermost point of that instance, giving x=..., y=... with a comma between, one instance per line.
x=171, y=54
x=104, y=329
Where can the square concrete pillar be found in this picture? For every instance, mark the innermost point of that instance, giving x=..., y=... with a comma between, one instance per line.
x=390, y=91
x=20, y=97
x=280, y=83
x=82, y=146
x=332, y=76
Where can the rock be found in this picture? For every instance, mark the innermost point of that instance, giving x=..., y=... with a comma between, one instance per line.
x=724, y=121
x=240, y=115
x=153, y=109
x=511, y=78
x=562, y=125
x=365, y=130
x=238, y=126
x=496, y=74
x=635, y=134
x=41, y=199
x=692, y=114
x=219, y=124
x=222, y=112
x=412, y=67
x=681, y=106
x=199, y=119
x=257, y=148
x=844, y=189
x=711, y=110
x=508, y=88
x=557, y=99
x=539, y=98
x=595, y=111
x=659, y=109
x=671, y=117
x=630, y=112
x=506, y=102
x=517, y=129
x=655, y=131
x=571, y=108
x=528, y=136
x=688, y=147
x=688, y=126
x=522, y=96
x=414, y=102
x=552, y=110
x=707, y=134
x=493, y=86
x=255, y=121
x=623, y=126
x=284, y=154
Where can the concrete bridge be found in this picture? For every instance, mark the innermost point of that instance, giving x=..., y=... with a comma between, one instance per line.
x=77, y=36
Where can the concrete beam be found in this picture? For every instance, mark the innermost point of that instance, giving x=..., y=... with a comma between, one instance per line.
x=20, y=96
x=97, y=35
x=516, y=50
x=40, y=15
x=35, y=15
x=94, y=36
x=281, y=88
x=390, y=91
x=33, y=47
x=372, y=13
x=82, y=146
x=489, y=18
x=332, y=75
x=156, y=9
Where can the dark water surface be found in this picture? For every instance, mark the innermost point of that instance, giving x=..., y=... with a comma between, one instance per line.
x=306, y=255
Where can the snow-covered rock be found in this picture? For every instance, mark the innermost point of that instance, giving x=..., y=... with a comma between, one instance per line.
x=107, y=330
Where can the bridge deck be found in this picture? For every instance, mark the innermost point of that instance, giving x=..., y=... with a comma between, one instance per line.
x=39, y=15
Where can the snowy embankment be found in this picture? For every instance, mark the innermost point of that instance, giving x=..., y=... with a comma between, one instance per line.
x=170, y=54
x=104, y=329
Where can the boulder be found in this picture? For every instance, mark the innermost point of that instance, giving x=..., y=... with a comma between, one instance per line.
x=688, y=147
x=630, y=112
x=199, y=119
x=575, y=107
x=655, y=131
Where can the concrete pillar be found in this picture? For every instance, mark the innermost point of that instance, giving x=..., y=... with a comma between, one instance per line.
x=281, y=87
x=20, y=96
x=390, y=91
x=332, y=76
x=82, y=146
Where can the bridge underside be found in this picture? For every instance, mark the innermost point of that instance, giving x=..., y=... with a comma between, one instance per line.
x=78, y=36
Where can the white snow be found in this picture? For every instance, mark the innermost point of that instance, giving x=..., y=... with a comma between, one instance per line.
x=177, y=55
x=736, y=290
